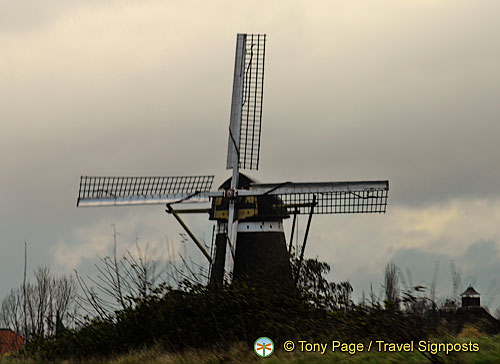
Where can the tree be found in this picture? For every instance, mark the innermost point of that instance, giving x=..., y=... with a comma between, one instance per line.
x=316, y=288
x=119, y=283
x=32, y=309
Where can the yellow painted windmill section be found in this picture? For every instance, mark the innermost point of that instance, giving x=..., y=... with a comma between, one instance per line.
x=247, y=207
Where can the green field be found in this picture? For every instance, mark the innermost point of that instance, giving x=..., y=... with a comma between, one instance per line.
x=489, y=352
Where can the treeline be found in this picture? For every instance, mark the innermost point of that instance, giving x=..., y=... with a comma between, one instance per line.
x=39, y=308
x=193, y=316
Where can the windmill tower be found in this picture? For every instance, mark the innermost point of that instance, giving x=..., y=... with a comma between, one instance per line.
x=250, y=241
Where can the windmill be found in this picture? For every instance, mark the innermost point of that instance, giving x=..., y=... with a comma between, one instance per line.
x=250, y=241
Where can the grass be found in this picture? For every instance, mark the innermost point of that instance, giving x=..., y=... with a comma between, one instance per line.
x=489, y=352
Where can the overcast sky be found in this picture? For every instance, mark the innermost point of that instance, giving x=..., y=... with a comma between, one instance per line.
x=354, y=90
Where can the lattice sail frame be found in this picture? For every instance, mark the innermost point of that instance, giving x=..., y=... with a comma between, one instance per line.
x=331, y=197
x=334, y=203
x=246, y=107
x=251, y=107
x=113, y=191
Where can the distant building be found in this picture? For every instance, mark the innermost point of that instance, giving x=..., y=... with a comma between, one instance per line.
x=10, y=341
x=470, y=298
x=470, y=313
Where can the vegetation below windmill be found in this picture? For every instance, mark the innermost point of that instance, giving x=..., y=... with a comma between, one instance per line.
x=193, y=317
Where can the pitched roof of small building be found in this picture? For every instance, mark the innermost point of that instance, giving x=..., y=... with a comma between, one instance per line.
x=470, y=292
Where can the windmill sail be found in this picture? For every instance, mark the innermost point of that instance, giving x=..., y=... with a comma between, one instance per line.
x=331, y=197
x=246, y=106
x=120, y=191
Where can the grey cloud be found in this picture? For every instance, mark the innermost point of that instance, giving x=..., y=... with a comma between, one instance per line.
x=410, y=96
x=18, y=16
